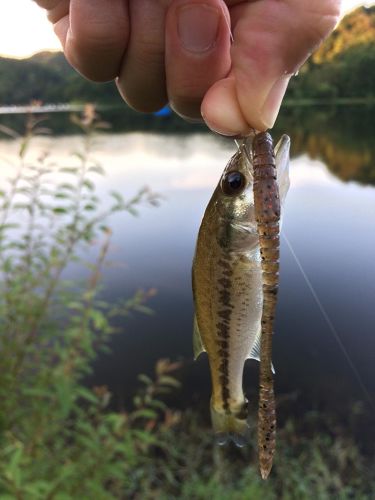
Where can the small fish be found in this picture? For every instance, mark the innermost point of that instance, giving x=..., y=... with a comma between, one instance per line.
x=228, y=285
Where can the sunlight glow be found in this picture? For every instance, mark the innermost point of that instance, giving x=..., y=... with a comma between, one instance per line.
x=348, y=5
x=25, y=30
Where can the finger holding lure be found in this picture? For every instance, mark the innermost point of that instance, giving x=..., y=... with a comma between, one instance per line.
x=234, y=289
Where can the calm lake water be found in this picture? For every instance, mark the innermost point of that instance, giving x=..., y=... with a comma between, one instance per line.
x=329, y=219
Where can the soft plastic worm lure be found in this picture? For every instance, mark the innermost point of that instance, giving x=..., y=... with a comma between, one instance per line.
x=267, y=214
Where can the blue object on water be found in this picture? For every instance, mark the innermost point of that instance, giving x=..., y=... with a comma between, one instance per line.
x=166, y=111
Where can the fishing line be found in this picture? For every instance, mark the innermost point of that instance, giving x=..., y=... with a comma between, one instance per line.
x=331, y=325
x=227, y=22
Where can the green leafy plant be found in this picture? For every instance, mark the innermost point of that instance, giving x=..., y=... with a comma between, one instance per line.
x=55, y=436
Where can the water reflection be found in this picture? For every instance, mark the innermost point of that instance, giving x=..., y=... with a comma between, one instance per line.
x=330, y=223
x=342, y=137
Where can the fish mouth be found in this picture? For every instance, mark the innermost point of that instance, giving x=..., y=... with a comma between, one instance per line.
x=245, y=145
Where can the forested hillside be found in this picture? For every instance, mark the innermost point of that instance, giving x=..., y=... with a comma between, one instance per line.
x=344, y=66
x=48, y=77
x=356, y=29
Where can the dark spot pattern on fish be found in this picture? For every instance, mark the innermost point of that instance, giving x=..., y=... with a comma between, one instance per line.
x=225, y=314
x=223, y=327
x=223, y=330
x=224, y=282
x=224, y=365
x=226, y=394
x=225, y=264
x=228, y=273
x=225, y=298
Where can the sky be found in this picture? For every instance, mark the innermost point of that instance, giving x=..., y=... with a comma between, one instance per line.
x=24, y=29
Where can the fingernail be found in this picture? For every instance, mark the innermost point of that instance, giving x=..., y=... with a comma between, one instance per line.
x=226, y=132
x=197, y=27
x=272, y=104
x=189, y=109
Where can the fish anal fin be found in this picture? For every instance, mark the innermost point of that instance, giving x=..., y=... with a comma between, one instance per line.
x=197, y=340
x=255, y=350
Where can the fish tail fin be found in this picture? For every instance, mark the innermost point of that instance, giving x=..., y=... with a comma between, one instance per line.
x=229, y=426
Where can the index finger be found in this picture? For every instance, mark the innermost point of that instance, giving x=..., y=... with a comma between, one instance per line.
x=93, y=33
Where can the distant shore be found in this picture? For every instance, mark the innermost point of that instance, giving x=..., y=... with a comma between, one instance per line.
x=17, y=109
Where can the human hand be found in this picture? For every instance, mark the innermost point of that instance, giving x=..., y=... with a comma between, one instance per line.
x=180, y=51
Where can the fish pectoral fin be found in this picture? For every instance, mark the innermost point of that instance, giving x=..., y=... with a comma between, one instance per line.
x=243, y=228
x=255, y=350
x=198, y=346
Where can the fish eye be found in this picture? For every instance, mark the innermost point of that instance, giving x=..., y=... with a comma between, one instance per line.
x=233, y=183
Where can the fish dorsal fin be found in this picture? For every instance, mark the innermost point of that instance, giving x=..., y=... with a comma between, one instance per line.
x=197, y=340
x=282, y=166
x=255, y=350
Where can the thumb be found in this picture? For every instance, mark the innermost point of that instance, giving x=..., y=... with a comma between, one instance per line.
x=271, y=41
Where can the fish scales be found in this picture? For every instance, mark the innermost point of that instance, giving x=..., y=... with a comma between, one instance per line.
x=228, y=288
x=267, y=213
